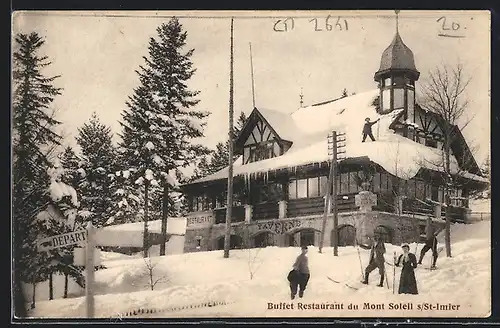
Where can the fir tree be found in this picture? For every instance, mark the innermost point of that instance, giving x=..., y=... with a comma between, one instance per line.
x=71, y=164
x=99, y=164
x=33, y=138
x=344, y=93
x=160, y=123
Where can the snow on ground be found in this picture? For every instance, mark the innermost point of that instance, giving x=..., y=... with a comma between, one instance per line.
x=197, y=278
x=480, y=205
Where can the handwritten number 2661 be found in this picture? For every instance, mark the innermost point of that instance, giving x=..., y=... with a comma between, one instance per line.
x=339, y=24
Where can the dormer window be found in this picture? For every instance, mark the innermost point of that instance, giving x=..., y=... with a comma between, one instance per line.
x=261, y=151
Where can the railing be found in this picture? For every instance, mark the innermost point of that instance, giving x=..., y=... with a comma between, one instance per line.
x=265, y=211
x=237, y=214
x=316, y=205
x=413, y=206
x=305, y=206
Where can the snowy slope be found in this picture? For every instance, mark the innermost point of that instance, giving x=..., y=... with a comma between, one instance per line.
x=198, y=278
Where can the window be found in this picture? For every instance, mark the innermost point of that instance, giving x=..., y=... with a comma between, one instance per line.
x=307, y=188
x=430, y=143
x=383, y=182
x=270, y=192
x=399, y=98
x=441, y=195
x=220, y=200
x=302, y=188
x=313, y=187
x=428, y=191
x=376, y=182
x=420, y=190
x=435, y=193
x=292, y=189
x=411, y=103
x=261, y=151
x=344, y=184
x=387, y=82
x=410, y=188
x=323, y=184
x=353, y=186
x=386, y=99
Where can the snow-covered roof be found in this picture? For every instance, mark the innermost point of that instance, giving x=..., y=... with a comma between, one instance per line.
x=398, y=155
x=281, y=122
x=175, y=226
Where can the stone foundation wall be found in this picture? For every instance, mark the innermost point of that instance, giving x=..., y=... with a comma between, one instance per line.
x=402, y=229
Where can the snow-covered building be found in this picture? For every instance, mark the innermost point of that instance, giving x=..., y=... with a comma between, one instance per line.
x=280, y=178
x=130, y=235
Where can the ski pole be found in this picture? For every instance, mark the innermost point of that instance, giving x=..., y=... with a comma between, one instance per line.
x=386, y=279
x=394, y=273
x=360, y=263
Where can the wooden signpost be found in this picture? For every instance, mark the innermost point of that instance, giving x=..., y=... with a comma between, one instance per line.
x=86, y=237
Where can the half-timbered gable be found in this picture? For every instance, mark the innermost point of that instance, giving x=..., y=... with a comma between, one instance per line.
x=427, y=128
x=423, y=127
x=259, y=139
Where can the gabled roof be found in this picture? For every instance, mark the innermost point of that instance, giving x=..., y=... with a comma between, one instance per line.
x=312, y=124
x=280, y=123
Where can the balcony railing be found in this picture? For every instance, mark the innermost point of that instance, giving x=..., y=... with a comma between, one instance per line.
x=265, y=211
x=237, y=214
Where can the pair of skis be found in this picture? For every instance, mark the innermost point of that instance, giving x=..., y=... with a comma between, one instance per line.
x=345, y=284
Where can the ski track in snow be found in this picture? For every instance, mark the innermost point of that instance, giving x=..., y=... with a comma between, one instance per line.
x=195, y=279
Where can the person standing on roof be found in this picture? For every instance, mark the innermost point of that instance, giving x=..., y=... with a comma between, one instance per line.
x=367, y=129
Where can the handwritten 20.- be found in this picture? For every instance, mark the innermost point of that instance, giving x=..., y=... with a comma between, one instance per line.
x=451, y=28
x=329, y=23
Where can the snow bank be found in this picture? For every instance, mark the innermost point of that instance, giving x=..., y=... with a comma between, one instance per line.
x=175, y=226
x=196, y=278
x=480, y=205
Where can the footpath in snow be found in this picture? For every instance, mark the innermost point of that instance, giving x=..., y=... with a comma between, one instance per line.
x=207, y=285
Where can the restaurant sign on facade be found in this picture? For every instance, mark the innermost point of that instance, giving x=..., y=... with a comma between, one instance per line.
x=200, y=219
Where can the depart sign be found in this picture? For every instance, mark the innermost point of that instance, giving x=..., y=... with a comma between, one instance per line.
x=67, y=239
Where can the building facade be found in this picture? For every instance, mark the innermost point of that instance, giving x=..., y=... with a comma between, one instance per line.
x=388, y=186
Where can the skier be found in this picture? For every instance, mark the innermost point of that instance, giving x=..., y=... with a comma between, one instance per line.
x=407, y=281
x=367, y=129
x=430, y=243
x=376, y=259
x=300, y=274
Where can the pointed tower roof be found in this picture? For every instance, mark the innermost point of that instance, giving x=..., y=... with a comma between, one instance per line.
x=397, y=57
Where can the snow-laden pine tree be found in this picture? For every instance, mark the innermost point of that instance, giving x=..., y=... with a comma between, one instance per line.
x=160, y=124
x=99, y=165
x=59, y=217
x=33, y=139
x=71, y=164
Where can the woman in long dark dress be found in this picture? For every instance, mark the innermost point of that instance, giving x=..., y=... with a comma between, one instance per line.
x=407, y=281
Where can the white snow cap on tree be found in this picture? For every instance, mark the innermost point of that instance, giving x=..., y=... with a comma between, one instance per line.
x=58, y=189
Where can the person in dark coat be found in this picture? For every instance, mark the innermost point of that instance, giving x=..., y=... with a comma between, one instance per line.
x=300, y=274
x=430, y=243
x=407, y=281
x=367, y=129
x=376, y=259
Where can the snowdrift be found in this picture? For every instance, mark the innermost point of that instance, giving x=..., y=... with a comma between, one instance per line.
x=190, y=282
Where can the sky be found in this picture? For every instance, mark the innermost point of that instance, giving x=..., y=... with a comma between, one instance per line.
x=97, y=53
